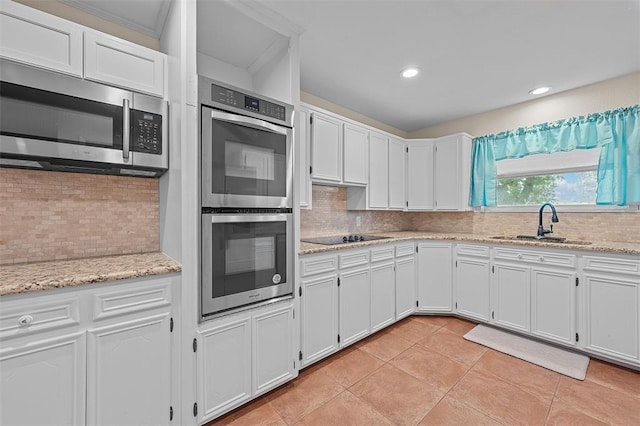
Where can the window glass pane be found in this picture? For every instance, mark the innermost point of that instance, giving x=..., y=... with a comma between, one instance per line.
x=565, y=188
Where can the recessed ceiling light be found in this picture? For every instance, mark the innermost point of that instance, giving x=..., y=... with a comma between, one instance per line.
x=539, y=90
x=410, y=72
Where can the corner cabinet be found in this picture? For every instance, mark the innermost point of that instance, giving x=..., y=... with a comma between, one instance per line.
x=96, y=355
x=419, y=175
x=36, y=38
x=435, y=282
x=243, y=356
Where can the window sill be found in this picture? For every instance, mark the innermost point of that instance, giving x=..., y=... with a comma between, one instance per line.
x=562, y=209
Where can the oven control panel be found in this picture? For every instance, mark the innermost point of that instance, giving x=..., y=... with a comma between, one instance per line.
x=146, y=132
x=242, y=101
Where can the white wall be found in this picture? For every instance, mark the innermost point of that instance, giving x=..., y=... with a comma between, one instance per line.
x=609, y=94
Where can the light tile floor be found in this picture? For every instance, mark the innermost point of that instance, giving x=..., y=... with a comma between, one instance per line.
x=420, y=371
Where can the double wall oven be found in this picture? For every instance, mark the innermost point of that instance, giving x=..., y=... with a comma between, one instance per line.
x=246, y=206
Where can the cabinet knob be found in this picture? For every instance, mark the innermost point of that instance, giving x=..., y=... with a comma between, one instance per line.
x=25, y=320
x=519, y=256
x=541, y=259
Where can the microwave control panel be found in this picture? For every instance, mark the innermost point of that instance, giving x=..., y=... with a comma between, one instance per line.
x=241, y=101
x=146, y=132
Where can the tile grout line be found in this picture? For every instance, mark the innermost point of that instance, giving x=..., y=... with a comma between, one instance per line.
x=553, y=400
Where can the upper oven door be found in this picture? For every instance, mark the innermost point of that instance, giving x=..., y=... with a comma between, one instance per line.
x=47, y=115
x=246, y=162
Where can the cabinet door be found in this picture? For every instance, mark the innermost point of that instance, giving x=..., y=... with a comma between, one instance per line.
x=224, y=367
x=511, y=296
x=379, y=176
x=447, y=174
x=37, y=38
x=397, y=175
x=612, y=316
x=473, y=288
x=43, y=382
x=121, y=63
x=405, y=286
x=383, y=300
x=302, y=142
x=136, y=353
x=273, y=355
x=319, y=304
x=355, y=307
x=553, y=305
x=434, y=277
x=355, y=143
x=326, y=146
x=420, y=176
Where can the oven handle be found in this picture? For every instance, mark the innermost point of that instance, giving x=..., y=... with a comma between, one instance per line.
x=248, y=122
x=238, y=218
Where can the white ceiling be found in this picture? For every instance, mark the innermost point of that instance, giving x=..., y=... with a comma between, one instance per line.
x=475, y=55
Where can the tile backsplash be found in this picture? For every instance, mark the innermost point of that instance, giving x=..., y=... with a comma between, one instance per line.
x=330, y=216
x=57, y=216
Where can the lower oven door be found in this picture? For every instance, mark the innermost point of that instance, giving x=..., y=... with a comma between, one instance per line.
x=246, y=259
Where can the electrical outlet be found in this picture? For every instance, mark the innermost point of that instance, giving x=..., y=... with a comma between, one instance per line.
x=358, y=221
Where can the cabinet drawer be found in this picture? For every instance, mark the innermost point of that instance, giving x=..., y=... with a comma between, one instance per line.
x=472, y=250
x=616, y=265
x=382, y=253
x=318, y=265
x=354, y=259
x=130, y=300
x=405, y=249
x=29, y=317
x=546, y=258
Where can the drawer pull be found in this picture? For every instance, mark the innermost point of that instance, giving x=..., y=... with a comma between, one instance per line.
x=519, y=256
x=541, y=259
x=25, y=320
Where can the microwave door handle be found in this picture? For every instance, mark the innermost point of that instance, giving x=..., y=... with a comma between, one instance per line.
x=126, y=128
x=248, y=122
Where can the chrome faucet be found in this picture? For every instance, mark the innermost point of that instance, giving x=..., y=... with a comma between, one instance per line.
x=554, y=218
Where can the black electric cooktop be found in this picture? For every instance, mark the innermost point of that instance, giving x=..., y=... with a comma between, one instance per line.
x=342, y=239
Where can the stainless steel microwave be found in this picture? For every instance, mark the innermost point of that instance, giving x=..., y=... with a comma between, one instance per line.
x=57, y=122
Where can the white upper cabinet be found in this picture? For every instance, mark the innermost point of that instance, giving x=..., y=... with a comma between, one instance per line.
x=326, y=148
x=302, y=137
x=452, y=162
x=36, y=38
x=420, y=175
x=397, y=174
x=355, y=145
x=121, y=63
x=42, y=40
x=378, y=171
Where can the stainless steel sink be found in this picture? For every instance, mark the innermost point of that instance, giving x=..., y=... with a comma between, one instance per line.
x=542, y=240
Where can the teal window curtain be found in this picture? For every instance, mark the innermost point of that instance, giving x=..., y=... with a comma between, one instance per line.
x=616, y=131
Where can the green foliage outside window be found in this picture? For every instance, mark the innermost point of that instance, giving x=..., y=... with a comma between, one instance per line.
x=567, y=188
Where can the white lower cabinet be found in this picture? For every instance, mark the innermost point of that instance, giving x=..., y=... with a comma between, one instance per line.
x=612, y=315
x=383, y=303
x=511, y=296
x=553, y=305
x=242, y=356
x=43, y=381
x=273, y=364
x=224, y=367
x=128, y=365
x=355, y=305
x=97, y=355
x=434, y=277
x=405, y=286
x=319, y=323
x=473, y=288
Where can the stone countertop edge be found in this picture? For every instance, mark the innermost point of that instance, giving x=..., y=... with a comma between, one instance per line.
x=34, y=277
x=611, y=247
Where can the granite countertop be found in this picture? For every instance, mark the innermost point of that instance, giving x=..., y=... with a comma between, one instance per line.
x=597, y=246
x=30, y=277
